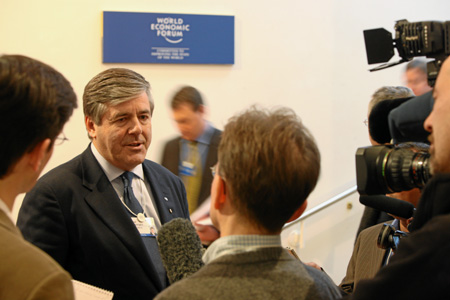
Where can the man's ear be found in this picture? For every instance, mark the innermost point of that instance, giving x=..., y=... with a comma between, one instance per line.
x=90, y=126
x=201, y=109
x=221, y=194
x=298, y=212
x=38, y=155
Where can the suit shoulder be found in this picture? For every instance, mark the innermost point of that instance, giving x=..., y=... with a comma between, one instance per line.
x=160, y=170
x=172, y=142
x=372, y=229
x=60, y=173
x=63, y=172
x=215, y=138
x=22, y=253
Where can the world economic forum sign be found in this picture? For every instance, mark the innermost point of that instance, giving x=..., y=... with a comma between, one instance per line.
x=167, y=38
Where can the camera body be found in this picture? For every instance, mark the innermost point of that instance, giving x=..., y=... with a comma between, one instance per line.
x=387, y=169
x=427, y=38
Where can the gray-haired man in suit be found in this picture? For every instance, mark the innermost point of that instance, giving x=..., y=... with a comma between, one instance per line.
x=93, y=214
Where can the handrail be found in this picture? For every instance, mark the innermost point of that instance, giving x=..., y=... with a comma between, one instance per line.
x=323, y=205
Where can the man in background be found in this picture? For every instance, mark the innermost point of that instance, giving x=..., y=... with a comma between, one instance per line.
x=191, y=155
x=268, y=165
x=35, y=103
x=94, y=213
x=406, y=121
x=416, y=76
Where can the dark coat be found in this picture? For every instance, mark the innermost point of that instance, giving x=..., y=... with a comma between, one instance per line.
x=74, y=214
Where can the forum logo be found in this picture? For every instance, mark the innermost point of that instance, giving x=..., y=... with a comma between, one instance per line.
x=171, y=29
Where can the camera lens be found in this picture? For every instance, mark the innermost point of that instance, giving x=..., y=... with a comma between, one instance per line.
x=389, y=169
x=406, y=169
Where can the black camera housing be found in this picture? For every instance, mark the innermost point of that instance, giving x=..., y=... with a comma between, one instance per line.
x=427, y=38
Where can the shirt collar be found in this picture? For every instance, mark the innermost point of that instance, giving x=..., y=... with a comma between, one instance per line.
x=234, y=244
x=5, y=208
x=111, y=171
x=205, y=137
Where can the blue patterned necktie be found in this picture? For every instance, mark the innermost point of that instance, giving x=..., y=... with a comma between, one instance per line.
x=128, y=196
x=150, y=243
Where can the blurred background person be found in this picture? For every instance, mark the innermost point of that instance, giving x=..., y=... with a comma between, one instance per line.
x=194, y=152
x=406, y=121
x=416, y=76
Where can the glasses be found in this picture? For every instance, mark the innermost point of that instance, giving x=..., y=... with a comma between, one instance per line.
x=213, y=170
x=366, y=122
x=60, y=139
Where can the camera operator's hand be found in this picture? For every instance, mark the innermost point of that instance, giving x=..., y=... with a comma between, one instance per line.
x=411, y=196
x=404, y=223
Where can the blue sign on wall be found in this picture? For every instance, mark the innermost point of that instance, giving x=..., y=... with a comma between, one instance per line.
x=167, y=38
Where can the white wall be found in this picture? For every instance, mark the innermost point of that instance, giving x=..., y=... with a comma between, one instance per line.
x=308, y=55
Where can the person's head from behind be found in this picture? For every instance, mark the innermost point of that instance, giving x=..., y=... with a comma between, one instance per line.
x=118, y=108
x=438, y=122
x=416, y=76
x=382, y=102
x=268, y=164
x=188, y=112
x=35, y=103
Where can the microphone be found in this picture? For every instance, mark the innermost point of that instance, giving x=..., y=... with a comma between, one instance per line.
x=390, y=205
x=180, y=248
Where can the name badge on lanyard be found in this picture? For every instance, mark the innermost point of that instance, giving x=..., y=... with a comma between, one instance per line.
x=187, y=169
x=145, y=226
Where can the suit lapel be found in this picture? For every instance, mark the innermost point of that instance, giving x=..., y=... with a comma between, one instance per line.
x=161, y=194
x=104, y=201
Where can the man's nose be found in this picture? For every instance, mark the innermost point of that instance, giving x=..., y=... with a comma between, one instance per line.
x=135, y=126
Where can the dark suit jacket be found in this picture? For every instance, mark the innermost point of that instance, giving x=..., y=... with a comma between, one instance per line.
x=366, y=258
x=420, y=267
x=74, y=214
x=171, y=160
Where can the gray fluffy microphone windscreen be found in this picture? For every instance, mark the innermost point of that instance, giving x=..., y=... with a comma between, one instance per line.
x=180, y=248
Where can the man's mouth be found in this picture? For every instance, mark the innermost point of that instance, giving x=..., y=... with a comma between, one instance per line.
x=135, y=144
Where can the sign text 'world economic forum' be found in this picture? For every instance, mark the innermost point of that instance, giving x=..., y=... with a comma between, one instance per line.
x=130, y=37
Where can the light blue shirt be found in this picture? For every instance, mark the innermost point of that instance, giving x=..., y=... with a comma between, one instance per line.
x=234, y=244
x=203, y=144
x=141, y=187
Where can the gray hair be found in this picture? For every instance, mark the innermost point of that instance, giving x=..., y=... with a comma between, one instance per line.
x=389, y=93
x=110, y=88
